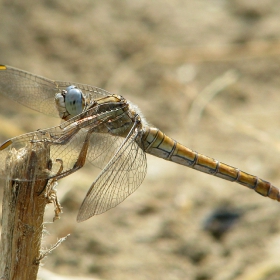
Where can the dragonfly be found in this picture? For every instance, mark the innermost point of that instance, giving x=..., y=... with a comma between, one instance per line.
x=108, y=131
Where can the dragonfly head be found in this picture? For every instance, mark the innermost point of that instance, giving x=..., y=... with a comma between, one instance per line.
x=74, y=100
x=70, y=102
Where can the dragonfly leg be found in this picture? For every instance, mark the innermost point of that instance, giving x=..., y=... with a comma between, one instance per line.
x=52, y=182
x=80, y=162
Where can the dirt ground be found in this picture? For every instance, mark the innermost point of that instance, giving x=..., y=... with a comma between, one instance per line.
x=204, y=72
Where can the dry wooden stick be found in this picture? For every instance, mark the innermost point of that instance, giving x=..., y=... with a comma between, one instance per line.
x=23, y=212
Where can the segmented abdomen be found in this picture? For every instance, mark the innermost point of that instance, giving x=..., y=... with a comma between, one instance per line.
x=158, y=144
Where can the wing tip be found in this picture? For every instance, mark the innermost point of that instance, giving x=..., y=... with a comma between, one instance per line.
x=83, y=215
x=81, y=218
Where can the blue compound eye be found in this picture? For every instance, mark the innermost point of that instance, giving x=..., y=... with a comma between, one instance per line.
x=74, y=100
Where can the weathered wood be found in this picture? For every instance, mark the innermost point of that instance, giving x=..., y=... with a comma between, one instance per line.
x=23, y=212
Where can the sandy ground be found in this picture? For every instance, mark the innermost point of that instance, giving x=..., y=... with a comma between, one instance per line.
x=207, y=74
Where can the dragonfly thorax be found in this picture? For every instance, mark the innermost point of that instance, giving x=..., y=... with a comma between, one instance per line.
x=122, y=114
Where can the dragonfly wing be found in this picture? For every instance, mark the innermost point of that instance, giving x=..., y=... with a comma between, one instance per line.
x=121, y=176
x=30, y=90
x=36, y=92
x=63, y=145
x=72, y=142
x=103, y=146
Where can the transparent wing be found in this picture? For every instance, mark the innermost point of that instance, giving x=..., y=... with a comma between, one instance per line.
x=68, y=152
x=103, y=147
x=68, y=142
x=37, y=92
x=120, y=177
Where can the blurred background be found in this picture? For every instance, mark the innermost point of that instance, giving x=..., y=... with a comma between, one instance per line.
x=207, y=74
